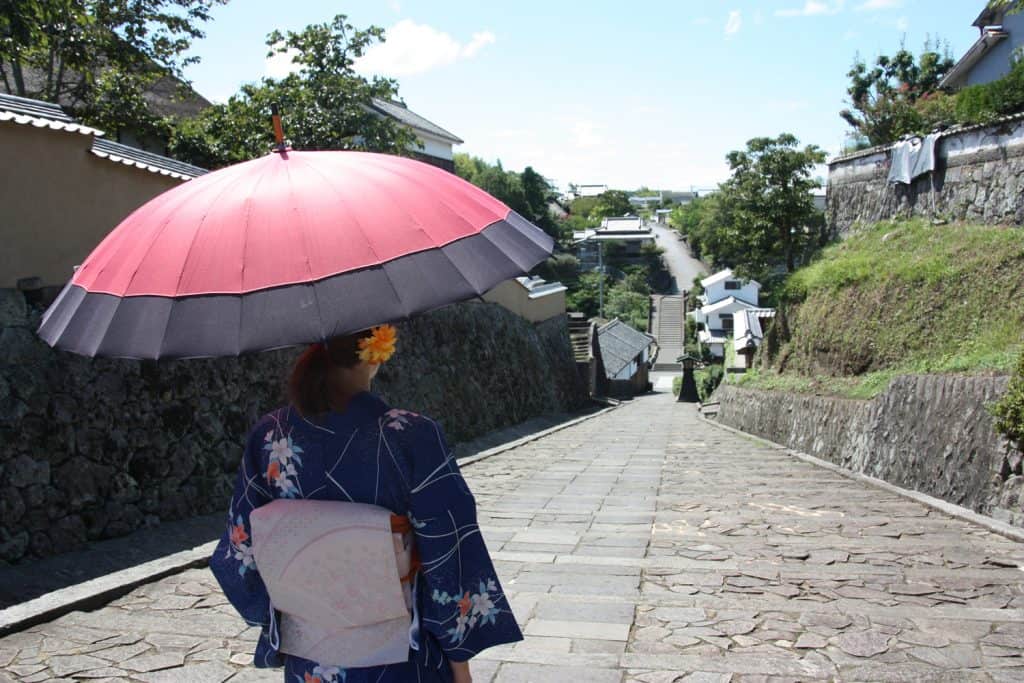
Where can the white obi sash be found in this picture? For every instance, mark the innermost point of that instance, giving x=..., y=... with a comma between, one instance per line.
x=335, y=572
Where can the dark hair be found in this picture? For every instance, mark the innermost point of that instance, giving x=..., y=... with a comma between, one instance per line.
x=309, y=383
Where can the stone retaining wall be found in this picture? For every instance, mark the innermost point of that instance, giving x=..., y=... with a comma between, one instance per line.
x=93, y=449
x=977, y=179
x=928, y=433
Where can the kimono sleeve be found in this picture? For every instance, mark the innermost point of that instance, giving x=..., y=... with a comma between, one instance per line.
x=232, y=562
x=462, y=603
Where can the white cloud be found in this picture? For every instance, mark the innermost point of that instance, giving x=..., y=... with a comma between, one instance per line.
x=732, y=26
x=395, y=6
x=902, y=24
x=812, y=8
x=413, y=48
x=477, y=43
x=872, y=5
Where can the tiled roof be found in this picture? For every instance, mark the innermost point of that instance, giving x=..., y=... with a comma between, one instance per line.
x=132, y=156
x=620, y=345
x=40, y=115
x=725, y=303
x=402, y=114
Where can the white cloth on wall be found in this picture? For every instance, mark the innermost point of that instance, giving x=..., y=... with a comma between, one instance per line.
x=912, y=158
x=899, y=169
x=924, y=161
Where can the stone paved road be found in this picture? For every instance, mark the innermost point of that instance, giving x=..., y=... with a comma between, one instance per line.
x=646, y=546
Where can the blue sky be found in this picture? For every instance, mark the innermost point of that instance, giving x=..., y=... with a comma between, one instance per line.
x=624, y=94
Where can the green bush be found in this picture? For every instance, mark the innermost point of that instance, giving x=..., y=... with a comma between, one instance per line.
x=708, y=380
x=984, y=102
x=1009, y=410
x=975, y=104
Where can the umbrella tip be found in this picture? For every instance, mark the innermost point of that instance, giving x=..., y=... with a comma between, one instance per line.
x=279, y=142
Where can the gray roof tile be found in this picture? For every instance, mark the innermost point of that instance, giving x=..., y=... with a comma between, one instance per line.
x=620, y=344
x=402, y=114
x=132, y=156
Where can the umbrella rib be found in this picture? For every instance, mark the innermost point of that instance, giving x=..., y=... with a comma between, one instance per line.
x=309, y=268
x=412, y=180
x=359, y=227
x=152, y=243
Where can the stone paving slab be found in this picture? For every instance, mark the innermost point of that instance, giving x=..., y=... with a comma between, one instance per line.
x=647, y=546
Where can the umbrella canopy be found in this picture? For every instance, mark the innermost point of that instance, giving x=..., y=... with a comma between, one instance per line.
x=288, y=249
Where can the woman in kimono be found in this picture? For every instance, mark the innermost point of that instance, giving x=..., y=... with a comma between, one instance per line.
x=337, y=441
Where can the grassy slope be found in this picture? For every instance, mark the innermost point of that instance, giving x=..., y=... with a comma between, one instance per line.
x=900, y=298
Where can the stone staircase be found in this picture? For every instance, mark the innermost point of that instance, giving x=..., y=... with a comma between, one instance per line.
x=667, y=325
x=579, y=336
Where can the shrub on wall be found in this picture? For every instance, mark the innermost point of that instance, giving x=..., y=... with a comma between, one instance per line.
x=708, y=380
x=1009, y=410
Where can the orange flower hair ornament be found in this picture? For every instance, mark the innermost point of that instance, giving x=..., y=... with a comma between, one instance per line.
x=379, y=346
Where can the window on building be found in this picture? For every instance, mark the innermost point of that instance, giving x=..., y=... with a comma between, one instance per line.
x=726, y=321
x=733, y=284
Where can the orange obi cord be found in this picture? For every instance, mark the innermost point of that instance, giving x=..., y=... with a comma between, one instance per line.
x=400, y=524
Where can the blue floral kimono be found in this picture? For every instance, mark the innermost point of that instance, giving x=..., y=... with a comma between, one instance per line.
x=399, y=460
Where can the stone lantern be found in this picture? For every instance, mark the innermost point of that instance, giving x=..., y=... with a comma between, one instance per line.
x=688, y=390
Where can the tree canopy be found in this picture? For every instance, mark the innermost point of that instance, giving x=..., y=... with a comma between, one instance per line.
x=883, y=95
x=527, y=193
x=98, y=57
x=763, y=217
x=612, y=203
x=325, y=104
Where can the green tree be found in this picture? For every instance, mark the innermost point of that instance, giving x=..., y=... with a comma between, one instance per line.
x=633, y=308
x=612, y=203
x=883, y=95
x=765, y=211
x=527, y=193
x=584, y=296
x=325, y=104
x=98, y=57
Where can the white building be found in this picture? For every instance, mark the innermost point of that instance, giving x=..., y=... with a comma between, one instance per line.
x=588, y=190
x=629, y=230
x=748, y=333
x=435, y=144
x=725, y=298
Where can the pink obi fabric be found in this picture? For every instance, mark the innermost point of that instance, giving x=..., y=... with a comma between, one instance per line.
x=334, y=570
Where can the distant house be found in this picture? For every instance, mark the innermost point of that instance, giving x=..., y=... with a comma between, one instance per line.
x=725, y=297
x=530, y=297
x=90, y=183
x=165, y=97
x=663, y=196
x=661, y=216
x=991, y=56
x=588, y=190
x=631, y=231
x=626, y=355
x=645, y=202
x=436, y=143
x=748, y=333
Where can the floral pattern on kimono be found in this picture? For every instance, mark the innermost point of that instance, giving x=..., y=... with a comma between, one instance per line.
x=394, y=458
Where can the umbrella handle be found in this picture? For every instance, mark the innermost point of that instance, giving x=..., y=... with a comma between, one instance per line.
x=275, y=117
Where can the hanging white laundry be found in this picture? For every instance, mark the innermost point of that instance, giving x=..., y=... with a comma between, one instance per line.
x=899, y=169
x=924, y=160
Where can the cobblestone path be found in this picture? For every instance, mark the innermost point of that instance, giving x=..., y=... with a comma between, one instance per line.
x=645, y=545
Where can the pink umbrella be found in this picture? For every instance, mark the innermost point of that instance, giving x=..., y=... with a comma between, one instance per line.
x=288, y=249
